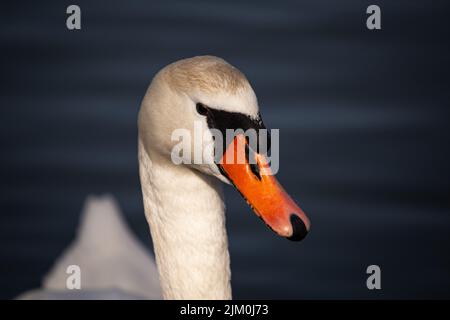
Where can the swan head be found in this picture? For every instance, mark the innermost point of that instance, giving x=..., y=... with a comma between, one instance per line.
x=197, y=100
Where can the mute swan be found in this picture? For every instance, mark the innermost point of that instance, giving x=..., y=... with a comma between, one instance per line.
x=183, y=203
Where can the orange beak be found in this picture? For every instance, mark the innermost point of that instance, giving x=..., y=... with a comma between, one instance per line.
x=263, y=192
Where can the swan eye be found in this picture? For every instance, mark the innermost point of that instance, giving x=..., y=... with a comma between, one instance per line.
x=201, y=109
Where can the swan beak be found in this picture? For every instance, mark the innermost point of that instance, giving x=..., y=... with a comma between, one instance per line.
x=262, y=191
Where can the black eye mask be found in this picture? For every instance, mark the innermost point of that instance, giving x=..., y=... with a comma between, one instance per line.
x=223, y=120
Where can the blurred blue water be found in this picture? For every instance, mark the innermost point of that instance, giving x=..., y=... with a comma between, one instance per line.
x=363, y=118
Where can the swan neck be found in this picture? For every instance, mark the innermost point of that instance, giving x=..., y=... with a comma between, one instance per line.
x=185, y=212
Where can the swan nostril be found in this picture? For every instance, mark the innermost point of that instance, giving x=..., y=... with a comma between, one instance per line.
x=299, y=230
x=255, y=170
x=251, y=160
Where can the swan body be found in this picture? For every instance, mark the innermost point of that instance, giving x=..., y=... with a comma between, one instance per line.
x=113, y=263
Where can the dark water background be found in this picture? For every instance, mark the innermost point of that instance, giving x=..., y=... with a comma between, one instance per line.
x=363, y=119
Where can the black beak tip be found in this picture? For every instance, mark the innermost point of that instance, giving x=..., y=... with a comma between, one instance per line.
x=299, y=230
